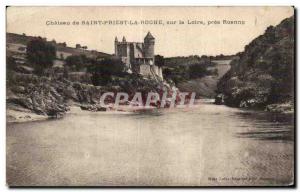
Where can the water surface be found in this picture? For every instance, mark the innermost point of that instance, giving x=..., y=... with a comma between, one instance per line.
x=206, y=145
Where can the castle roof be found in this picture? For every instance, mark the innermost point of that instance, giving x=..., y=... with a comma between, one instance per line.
x=116, y=39
x=124, y=40
x=149, y=36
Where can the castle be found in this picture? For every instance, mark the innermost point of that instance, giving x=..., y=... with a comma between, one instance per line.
x=139, y=56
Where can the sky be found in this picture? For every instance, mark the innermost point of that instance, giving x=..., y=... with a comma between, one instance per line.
x=170, y=39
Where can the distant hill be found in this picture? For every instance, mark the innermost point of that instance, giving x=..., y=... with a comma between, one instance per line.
x=12, y=38
x=264, y=73
x=195, y=59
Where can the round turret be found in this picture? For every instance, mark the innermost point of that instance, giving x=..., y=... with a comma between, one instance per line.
x=149, y=42
x=116, y=46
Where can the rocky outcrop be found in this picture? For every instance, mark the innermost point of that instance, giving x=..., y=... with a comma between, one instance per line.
x=38, y=94
x=281, y=107
x=264, y=73
x=91, y=107
x=52, y=96
x=219, y=99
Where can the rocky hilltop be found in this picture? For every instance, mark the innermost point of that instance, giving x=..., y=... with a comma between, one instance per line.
x=263, y=75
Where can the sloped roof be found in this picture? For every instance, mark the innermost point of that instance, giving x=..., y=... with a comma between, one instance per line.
x=149, y=36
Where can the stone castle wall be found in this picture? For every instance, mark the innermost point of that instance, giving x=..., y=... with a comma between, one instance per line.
x=139, y=56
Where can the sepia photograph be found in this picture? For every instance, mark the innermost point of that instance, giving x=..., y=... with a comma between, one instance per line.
x=150, y=96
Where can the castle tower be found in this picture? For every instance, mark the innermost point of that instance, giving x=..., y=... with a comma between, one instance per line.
x=116, y=46
x=149, y=42
x=123, y=40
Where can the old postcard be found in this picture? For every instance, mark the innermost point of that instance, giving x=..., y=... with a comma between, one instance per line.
x=150, y=96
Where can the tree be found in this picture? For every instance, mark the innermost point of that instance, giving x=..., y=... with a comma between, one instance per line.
x=77, y=62
x=103, y=70
x=198, y=71
x=167, y=72
x=177, y=74
x=159, y=60
x=40, y=54
x=64, y=44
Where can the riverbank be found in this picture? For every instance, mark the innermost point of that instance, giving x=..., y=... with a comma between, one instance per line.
x=14, y=116
x=17, y=114
x=285, y=107
x=22, y=115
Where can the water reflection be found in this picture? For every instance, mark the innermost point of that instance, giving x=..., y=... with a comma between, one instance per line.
x=267, y=126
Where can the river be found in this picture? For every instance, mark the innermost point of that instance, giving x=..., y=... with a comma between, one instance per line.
x=204, y=145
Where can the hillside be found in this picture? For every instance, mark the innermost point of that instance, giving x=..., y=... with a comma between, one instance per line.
x=204, y=87
x=17, y=39
x=214, y=67
x=263, y=75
